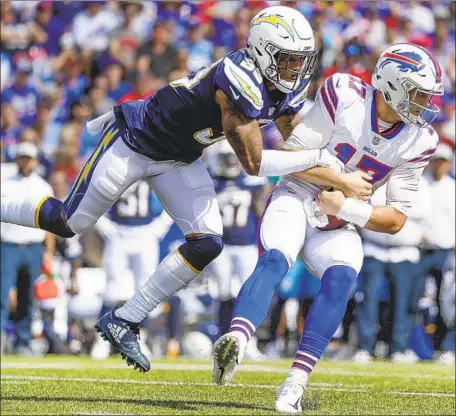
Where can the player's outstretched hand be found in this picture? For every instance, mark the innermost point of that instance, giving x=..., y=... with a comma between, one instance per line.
x=356, y=185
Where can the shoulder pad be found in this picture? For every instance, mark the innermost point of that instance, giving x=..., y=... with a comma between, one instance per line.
x=239, y=78
x=341, y=91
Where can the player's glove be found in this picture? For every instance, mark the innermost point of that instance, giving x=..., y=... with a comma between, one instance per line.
x=310, y=206
x=327, y=160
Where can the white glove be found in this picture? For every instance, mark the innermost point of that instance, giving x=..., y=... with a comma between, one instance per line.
x=327, y=160
x=310, y=206
x=95, y=126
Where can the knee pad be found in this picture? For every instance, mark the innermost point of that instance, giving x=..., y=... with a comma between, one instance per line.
x=50, y=218
x=200, y=251
x=337, y=282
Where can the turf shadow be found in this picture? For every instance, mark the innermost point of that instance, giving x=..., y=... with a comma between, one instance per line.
x=173, y=404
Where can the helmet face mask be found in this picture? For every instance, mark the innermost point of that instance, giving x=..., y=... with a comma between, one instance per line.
x=289, y=68
x=282, y=45
x=409, y=77
x=417, y=106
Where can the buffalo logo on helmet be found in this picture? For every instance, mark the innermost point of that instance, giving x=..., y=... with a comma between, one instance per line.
x=406, y=61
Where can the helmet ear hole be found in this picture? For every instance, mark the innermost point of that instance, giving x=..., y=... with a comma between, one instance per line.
x=392, y=86
x=258, y=51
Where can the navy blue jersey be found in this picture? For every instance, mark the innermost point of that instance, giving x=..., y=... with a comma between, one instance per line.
x=182, y=118
x=138, y=205
x=235, y=198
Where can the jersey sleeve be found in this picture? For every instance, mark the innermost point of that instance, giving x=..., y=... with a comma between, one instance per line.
x=403, y=184
x=328, y=97
x=241, y=86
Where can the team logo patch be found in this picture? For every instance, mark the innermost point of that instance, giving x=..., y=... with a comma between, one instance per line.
x=275, y=21
x=406, y=61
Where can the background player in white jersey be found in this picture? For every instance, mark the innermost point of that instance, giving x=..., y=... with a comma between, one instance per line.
x=383, y=131
x=163, y=137
x=241, y=201
x=132, y=230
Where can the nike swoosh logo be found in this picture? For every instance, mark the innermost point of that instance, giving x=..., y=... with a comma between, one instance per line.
x=236, y=96
x=337, y=83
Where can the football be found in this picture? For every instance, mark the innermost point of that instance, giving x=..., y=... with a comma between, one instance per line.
x=334, y=223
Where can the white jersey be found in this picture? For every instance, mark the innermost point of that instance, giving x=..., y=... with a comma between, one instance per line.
x=344, y=120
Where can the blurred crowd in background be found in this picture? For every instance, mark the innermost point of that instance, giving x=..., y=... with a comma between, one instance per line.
x=66, y=62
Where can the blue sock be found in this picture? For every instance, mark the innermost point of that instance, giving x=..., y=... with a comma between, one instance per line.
x=174, y=317
x=325, y=315
x=226, y=309
x=105, y=308
x=50, y=218
x=253, y=301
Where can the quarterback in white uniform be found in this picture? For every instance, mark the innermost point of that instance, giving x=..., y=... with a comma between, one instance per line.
x=382, y=131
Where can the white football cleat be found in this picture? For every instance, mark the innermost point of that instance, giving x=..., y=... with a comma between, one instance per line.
x=407, y=357
x=100, y=349
x=447, y=358
x=252, y=352
x=362, y=356
x=289, y=396
x=228, y=353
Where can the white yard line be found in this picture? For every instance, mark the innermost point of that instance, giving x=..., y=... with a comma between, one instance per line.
x=418, y=393
x=208, y=367
x=312, y=386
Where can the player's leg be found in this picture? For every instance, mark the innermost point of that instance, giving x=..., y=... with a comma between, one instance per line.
x=142, y=261
x=372, y=277
x=221, y=270
x=335, y=257
x=115, y=268
x=244, y=262
x=111, y=169
x=187, y=194
x=282, y=232
x=401, y=277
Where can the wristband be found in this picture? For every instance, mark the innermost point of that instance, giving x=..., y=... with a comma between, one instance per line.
x=357, y=212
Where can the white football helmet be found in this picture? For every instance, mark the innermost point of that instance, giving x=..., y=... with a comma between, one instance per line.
x=281, y=40
x=403, y=71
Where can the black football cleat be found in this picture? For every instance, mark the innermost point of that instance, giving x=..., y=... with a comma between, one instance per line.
x=123, y=336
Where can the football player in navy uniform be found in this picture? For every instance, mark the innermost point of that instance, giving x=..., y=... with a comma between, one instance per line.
x=162, y=139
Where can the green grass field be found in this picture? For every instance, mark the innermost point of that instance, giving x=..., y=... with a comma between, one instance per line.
x=79, y=386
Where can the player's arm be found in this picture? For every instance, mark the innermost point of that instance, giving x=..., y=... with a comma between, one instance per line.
x=286, y=124
x=402, y=190
x=244, y=136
